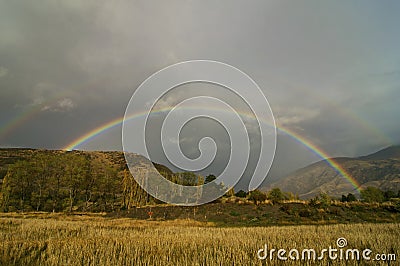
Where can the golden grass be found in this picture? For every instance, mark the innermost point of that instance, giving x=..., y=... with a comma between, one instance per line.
x=56, y=239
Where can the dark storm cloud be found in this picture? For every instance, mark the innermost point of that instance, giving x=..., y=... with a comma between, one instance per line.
x=328, y=69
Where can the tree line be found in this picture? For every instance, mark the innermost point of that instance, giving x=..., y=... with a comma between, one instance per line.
x=77, y=181
x=275, y=195
x=96, y=181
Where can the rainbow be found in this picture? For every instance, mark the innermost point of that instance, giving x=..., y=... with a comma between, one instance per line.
x=295, y=136
x=26, y=115
x=322, y=154
x=93, y=133
x=20, y=119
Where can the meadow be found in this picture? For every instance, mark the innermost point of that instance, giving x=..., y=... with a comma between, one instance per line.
x=93, y=239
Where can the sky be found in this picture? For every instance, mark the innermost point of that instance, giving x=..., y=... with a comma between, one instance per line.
x=330, y=70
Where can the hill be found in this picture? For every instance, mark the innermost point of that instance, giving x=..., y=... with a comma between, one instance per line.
x=386, y=153
x=380, y=169
x=52, y=180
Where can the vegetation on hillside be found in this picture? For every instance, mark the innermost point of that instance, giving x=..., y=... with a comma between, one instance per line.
x=381, y=169
x=76, y=181
x=55, y=181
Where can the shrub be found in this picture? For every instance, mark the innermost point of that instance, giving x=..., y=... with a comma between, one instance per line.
x=285, y=208
x=372, y=194
x=276, y=195
x=257, y=196
x=322, y=200
x=305, y=213
x=241, y=194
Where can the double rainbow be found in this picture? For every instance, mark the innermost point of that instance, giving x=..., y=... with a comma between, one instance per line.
x=295, y=136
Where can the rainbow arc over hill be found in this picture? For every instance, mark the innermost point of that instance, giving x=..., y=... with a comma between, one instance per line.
x=90, y=135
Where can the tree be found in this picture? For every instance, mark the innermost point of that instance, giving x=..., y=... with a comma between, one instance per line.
x=17, y=186
x=276, y=195
x=372, y=194
x=324, y=200
x=344, y=198
x=351, y=197
x=74, y=176
x=107, y=187
x=257, y=196
x=87, y=183
x=290, y=196
x=127, y=191
x=230, y=193
x=56, y=184
x=189, y=179
x=389, y=195
x=241, y=194
x=41, y=178
x=5, y=194
x=210, y=178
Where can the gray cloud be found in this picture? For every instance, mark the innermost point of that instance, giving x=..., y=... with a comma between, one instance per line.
x=328, y=69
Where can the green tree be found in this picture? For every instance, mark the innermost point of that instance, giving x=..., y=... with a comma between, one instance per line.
x=56, y=182
x=128, y=190
x=344, y=198
x=389, y=194
x=5, y=194
x=351, y=197
x=257, y=196
x=276, y=195
x=290, y=196
x=106, y=187
x=75, y=166
x=241, y=194
x=189, y=179
x=18, y=186
x=324, y=200
x=321, y=200
x=210, y=178
x=40, y=175
x=372, y=194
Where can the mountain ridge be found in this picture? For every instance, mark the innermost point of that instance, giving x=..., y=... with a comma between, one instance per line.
x=379, y=169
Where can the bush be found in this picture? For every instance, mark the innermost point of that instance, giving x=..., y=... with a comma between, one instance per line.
x=305, y=213
x=285, y=208
x=325, y=200
x=388, y=195
x=322, y=200
x=257, y=196
x=241, y=194
x=233, y=213
x=210, y=178
x=276, y=195
x=349, y=198
x=372, y=194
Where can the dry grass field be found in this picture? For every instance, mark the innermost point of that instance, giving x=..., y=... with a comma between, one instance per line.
x=47, y=239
